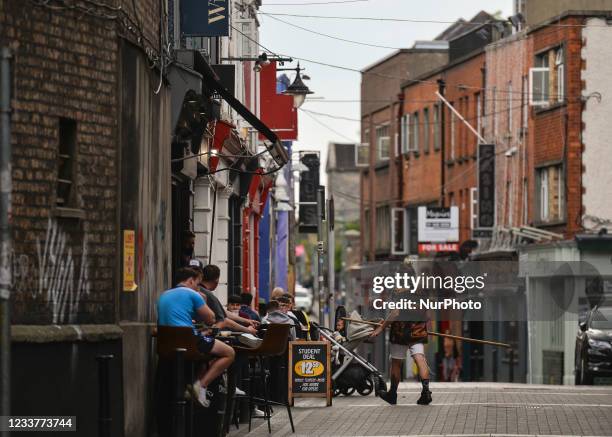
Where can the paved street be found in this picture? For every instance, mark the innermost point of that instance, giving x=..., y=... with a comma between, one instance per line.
x=468, y=409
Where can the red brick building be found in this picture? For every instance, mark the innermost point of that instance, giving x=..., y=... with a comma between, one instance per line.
x=438, y=149
x=381, y=183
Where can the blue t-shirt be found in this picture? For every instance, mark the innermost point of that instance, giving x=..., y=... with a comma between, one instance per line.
x=178, y=307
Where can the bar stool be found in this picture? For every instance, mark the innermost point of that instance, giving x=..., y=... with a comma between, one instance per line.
x=169, y=339
x=274, y=344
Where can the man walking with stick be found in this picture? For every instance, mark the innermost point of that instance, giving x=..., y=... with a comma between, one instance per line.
x=404, y=337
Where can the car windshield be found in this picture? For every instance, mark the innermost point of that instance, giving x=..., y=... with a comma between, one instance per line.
x=602, y=318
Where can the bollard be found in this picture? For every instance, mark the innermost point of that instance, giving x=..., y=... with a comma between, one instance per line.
x=104, y=414
x=178, y=418
x=495, y=365
x=511, y=364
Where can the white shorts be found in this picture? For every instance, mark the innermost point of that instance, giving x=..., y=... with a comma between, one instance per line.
x=399, y=351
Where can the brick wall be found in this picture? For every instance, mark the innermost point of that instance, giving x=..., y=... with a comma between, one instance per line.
x=65, y=66
x=463, y=81
x=506, y=103
x=422, y=171
x=556, y=131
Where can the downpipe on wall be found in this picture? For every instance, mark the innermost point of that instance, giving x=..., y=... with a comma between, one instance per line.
x=5, y=231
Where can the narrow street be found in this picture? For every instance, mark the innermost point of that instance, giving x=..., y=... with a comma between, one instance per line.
x=462, y=409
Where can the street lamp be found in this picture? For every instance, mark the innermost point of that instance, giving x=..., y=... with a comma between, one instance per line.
x=260, y=61
x=298, y=88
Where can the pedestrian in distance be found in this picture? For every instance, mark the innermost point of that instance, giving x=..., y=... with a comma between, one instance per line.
x=406, y=337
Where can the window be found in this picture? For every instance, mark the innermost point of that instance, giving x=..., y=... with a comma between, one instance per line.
x=474, y=208
x=560, y=76
x=66, y=163
x=547, y=78
x=362, y=151
x=367, y=224
x=509, y=109
x=452, y=134
x=414, y=133
x=510, y=211
x=551, y=193
x=383, y=229
x=399, y=245
x=383, y=142
x=426, y=128
x=525, y=202
x=494, y=112
x=436, y=127
x=525, y=105
x=479, y=126
x=246, y=37
x=405, y=128
x=362, y=155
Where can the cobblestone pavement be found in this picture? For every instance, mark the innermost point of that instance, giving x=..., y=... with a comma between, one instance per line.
x=463, y=409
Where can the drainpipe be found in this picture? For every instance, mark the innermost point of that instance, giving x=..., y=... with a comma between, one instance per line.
x=5, y=230
x=441, y=89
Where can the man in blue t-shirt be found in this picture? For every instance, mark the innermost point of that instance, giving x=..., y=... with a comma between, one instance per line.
x=180, y=306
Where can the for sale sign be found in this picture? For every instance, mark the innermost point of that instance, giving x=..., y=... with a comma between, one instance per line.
x=438, y=225
x=310, y=373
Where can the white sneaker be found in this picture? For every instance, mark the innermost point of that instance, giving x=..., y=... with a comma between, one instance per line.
x=200, y=394
x=258, y=413
x=240, y=392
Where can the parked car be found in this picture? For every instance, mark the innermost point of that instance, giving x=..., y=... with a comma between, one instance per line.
x=303, y=298
x=594, y=346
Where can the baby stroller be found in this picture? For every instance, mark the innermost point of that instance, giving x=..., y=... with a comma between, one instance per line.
x=351, y=372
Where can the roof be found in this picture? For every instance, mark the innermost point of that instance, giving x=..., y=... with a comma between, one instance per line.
x=341, y=157
x=461, y=27
x=455, y=30
x=401, y=52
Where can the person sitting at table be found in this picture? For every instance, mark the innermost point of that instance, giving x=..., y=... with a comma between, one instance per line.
x=276, y=293
x=300, y=316
x=275, y=315
x=233, y=305
x=179, y=307
x=223, y=318
x=286, y=306
x=245, y=308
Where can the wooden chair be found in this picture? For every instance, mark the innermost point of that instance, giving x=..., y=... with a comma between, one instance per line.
x=171, y=338
x=275, y=341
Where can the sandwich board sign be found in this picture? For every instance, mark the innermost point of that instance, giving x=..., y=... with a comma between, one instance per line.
x=309, y=370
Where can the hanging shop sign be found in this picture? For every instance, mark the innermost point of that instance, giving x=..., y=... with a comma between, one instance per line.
x=309, y=185
x=438, y=225
x=309, y=370
x=205, y=17
x=486, y=185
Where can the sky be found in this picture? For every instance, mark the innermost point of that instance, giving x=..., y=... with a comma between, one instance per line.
x=331, y=84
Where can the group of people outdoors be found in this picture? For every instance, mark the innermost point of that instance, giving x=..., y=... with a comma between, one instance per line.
x=193, y=303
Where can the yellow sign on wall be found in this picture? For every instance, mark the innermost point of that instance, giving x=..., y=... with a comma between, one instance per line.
x=129, y=258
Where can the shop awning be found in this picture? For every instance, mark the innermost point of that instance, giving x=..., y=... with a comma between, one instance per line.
x=214, y=84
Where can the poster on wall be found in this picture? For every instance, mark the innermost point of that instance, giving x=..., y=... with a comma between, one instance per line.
x=129, y=258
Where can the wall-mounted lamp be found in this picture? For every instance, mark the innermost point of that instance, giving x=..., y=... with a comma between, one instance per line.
x=298, y=88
